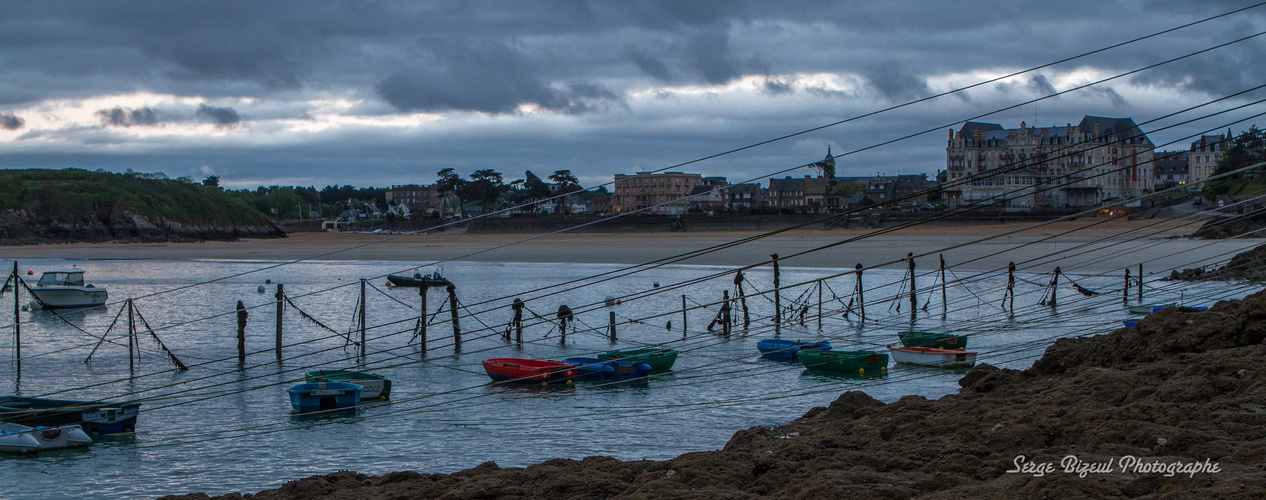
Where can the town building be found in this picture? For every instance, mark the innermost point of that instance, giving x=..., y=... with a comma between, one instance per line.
x=1171, y=168
x=807, y=193
x=1204, y=156
x=423, y=199
x=664, y=193
x=901, y=190
x=747, y=196
x=1096, y=161
x=710, y=195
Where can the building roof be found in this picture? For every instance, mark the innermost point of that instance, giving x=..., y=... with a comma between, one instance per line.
x=970, y=128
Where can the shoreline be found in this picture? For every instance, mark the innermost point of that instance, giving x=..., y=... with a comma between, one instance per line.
x=1118, y=243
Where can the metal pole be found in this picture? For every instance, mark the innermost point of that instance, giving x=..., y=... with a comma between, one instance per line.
x=777, y=295
x=452, y=309
x=819, y=305
x=1140, y=282
x=518, y=320
x=131, y=333
x=281, y=296
x=861, y=297
x=422, y=321
x=944, y=303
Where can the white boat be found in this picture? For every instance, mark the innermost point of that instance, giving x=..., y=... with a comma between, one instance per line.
x=18, y=438
x=66, y=288
x=1149, y=308
x=931, y=356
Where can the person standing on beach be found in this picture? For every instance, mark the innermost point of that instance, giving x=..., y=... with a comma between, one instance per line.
x=241, y=332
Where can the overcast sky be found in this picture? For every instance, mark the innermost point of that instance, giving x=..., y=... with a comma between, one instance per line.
x=380, y=93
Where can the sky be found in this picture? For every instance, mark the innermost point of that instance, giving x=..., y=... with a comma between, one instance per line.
x=374, y=94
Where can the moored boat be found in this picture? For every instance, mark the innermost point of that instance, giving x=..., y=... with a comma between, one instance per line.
x=932, y=339
x=433, y=280
x=17, y=438
x=864, y=363
x=373, y=386
x=95, y=417
x=788, y=349
x=65, y=288
x=606, y=370
x=931, y=356
x=323, y=396
x=1149, y=308
x=529, y=371
x=661, y=360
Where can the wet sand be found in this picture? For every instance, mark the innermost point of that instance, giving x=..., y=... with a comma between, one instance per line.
x=1087, y=245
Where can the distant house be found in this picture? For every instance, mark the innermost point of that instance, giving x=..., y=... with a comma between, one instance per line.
x=601, y=204
x=747, y=196
x=804, y=193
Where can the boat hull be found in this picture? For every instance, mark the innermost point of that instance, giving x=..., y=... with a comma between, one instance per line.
x=932, y=339
x=862, y=363
x=95, y=417
x=414, y=282
x=660, y=360
x=65, y=298
x=1149, y=308
x=372, y=386
x=788, y=349
x=602, y=370
x=19, y=438
x=928, y=356
x=529, y=371
x=323, y=396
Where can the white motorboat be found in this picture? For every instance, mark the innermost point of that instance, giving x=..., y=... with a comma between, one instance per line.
x=66, y=288
x=18, y=438
x=1149, y=308
x=931, y=356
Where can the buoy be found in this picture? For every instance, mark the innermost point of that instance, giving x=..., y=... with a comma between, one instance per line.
x=609, y=300
x=29, y=272
x=268, y=282
x=388, y=284
x=861, y=371
x=260, y=289
x=656, y=284
x=617, y=302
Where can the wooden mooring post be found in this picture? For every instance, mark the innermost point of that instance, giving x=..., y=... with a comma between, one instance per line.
x=452, y=309
x=517, y=322
x=914, y=299
x=1140, y=283
x=742, y=298
x=726, y=320
x=564, y=316
x=17, y=317
x=1054, y=287
x=819, y=305
x=611, y=325
x=777, y=295
x=241, y=332
x=281, y=298
x=944, y=302
x=1010, y=293
x=683, y=317
x=861, y=297
x=1125, y=293
x=363, y=310
x=131, y=334
x=422, y=320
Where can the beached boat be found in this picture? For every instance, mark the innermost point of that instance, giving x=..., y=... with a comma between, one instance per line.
x=931, y=356
x=65, y=289
x=661, y=360
x=529, y=371
x=1149, y=308
x=433, y=280
x=1130, y=323
x=606, y=370
x=96, y=417
x=323, y=396
x=787, y=349
x=18, y=438
x=932, y=339
x=372, y=386
x=865, y=363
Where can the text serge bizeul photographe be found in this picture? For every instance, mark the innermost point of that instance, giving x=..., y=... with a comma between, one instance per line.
x=1127, y=464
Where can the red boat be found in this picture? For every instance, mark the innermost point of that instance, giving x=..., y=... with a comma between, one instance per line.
x=529, y=371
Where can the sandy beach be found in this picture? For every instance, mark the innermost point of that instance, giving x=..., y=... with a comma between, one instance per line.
x=1159, y=245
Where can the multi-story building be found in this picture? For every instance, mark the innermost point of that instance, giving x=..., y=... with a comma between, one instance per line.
x=1098, y=160
x=425, y=199
x=804, y=193
x=1171, y=168
x=1204, y=156
x=900, y=190
x=665, y=193
x=711, y=194
x=747, y=196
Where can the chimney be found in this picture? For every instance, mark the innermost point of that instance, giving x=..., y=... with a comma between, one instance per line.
x=1096, y=129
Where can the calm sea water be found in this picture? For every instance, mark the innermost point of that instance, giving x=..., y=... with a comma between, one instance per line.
x=220, y=427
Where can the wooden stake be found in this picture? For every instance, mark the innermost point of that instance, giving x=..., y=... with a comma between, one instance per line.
x=683, y=316
x=17, y=316
x=777, y=295
x=914, y=300
x=517, y=306
x=422, y=321
x=1140, y=283
x=363, y=309
x=131, y=333
x=1054, y=287
x=281, y=297
x=611, y=325
x=452, y=309
x=725, y=313
x=944, y=302
x=1125, y=293
x=861, y=297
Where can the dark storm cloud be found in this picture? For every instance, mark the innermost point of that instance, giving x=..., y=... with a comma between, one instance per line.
x=1038, y=84
x=124, y=117
x=709, y=53
x=488, y=78
x=1110, y=94
x=221, y=117
x=775, y=87
x=650, y=65
x=9, y=121
x=890, y=81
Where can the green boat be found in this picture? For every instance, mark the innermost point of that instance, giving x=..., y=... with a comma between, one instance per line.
x=864, y=363
x=661, y=360
x=932, y=339
x=373, y=386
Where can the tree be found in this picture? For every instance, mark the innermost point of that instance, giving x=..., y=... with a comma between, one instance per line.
x=484, y=186
x=850, y=188
x=535, y=187
x=212, y=181
x=1247, y=149
x=566, y=182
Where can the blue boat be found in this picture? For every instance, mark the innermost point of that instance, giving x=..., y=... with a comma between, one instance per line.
x=609, y=370
x=1130, y=323
x=322, y=396
x=95, y=417
x=788, y=349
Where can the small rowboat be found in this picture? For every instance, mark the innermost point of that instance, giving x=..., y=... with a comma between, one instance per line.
x=322, y=396
x=863, y=363
x=931, y=356
x=1149, y=308
x=787, y=349
x=661, y=360
x=18, y=438
x=1130, y=323
x=605, y=370
x=932, y=339
x=529, y=371
x=372, y=386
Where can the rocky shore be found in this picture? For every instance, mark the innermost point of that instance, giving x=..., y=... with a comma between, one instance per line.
x=20, y=227
x=1173, y=408
x=1250, y=265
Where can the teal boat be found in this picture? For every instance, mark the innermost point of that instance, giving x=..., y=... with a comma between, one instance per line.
x=373, y=386
x=932, y=339
x=864, y=363
x=661, y=360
